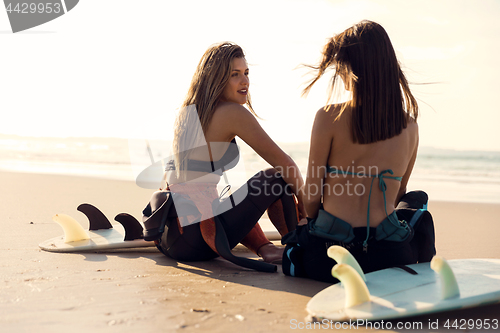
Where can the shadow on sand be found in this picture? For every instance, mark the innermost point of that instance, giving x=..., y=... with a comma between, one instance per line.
x=472, y=320
x=221, y=269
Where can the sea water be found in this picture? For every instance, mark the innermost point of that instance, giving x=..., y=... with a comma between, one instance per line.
x=445, y=174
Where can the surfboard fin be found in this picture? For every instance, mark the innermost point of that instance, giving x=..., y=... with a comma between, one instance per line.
x=96, y=218
x=449, y=285
x=73, y=231
x=133, y=229
x=99, y=221
x=356, y=291
x=342, y=256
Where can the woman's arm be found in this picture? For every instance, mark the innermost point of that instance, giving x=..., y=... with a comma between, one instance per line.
x=409, y=169
x=244, y=125
x=321, y=143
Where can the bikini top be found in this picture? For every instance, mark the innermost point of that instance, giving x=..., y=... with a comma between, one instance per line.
x=381, y=184
x=226, y=162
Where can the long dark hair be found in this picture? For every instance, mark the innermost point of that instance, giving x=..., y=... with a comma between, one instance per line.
x=364, y=58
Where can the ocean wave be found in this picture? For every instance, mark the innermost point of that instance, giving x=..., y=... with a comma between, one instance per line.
x=461, y=175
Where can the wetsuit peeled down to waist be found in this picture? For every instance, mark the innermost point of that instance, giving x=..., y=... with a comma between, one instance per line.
x=404, y=237
x=210, y=226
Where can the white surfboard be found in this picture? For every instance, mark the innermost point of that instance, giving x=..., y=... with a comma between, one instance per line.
x=395, y=293
x=104, y=235
x=106, y=239
x=101, y=234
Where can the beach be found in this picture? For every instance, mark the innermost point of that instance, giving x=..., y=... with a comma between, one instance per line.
x=142, y=290
x=90, y=100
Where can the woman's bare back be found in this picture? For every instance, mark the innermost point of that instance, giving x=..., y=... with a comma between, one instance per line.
x=346, y=196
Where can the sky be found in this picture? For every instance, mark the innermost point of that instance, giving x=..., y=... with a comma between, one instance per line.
x=120, y=68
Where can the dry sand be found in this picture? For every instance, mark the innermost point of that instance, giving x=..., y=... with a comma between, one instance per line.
x=142, y=290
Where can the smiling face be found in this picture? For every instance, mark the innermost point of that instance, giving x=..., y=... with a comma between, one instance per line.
x=236, y=89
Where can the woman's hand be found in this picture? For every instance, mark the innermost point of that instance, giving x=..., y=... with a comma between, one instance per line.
x=301, y=208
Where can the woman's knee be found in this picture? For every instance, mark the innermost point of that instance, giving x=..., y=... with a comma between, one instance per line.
x=267, y=182
x=268, y=177
x=157, y=199
x=413, y=199
x=268, y=174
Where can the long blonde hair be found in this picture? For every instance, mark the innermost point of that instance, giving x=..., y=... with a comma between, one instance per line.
x=381, y=99
x=205, y=91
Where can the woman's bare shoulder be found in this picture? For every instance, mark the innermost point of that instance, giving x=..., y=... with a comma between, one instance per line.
x=329, y=117
x=227, y=107
x=328, y=113
x=229, y=112
x=412, y=125
x=230, y=120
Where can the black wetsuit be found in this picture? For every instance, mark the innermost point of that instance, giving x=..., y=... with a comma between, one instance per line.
x=374, y=248
x=263, y=189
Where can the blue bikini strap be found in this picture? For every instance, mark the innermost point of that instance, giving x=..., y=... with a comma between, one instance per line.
x=382, y=186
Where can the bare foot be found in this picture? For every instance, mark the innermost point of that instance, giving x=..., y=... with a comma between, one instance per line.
x=271, y=253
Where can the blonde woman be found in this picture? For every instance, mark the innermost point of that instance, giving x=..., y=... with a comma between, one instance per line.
x=213, y=115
